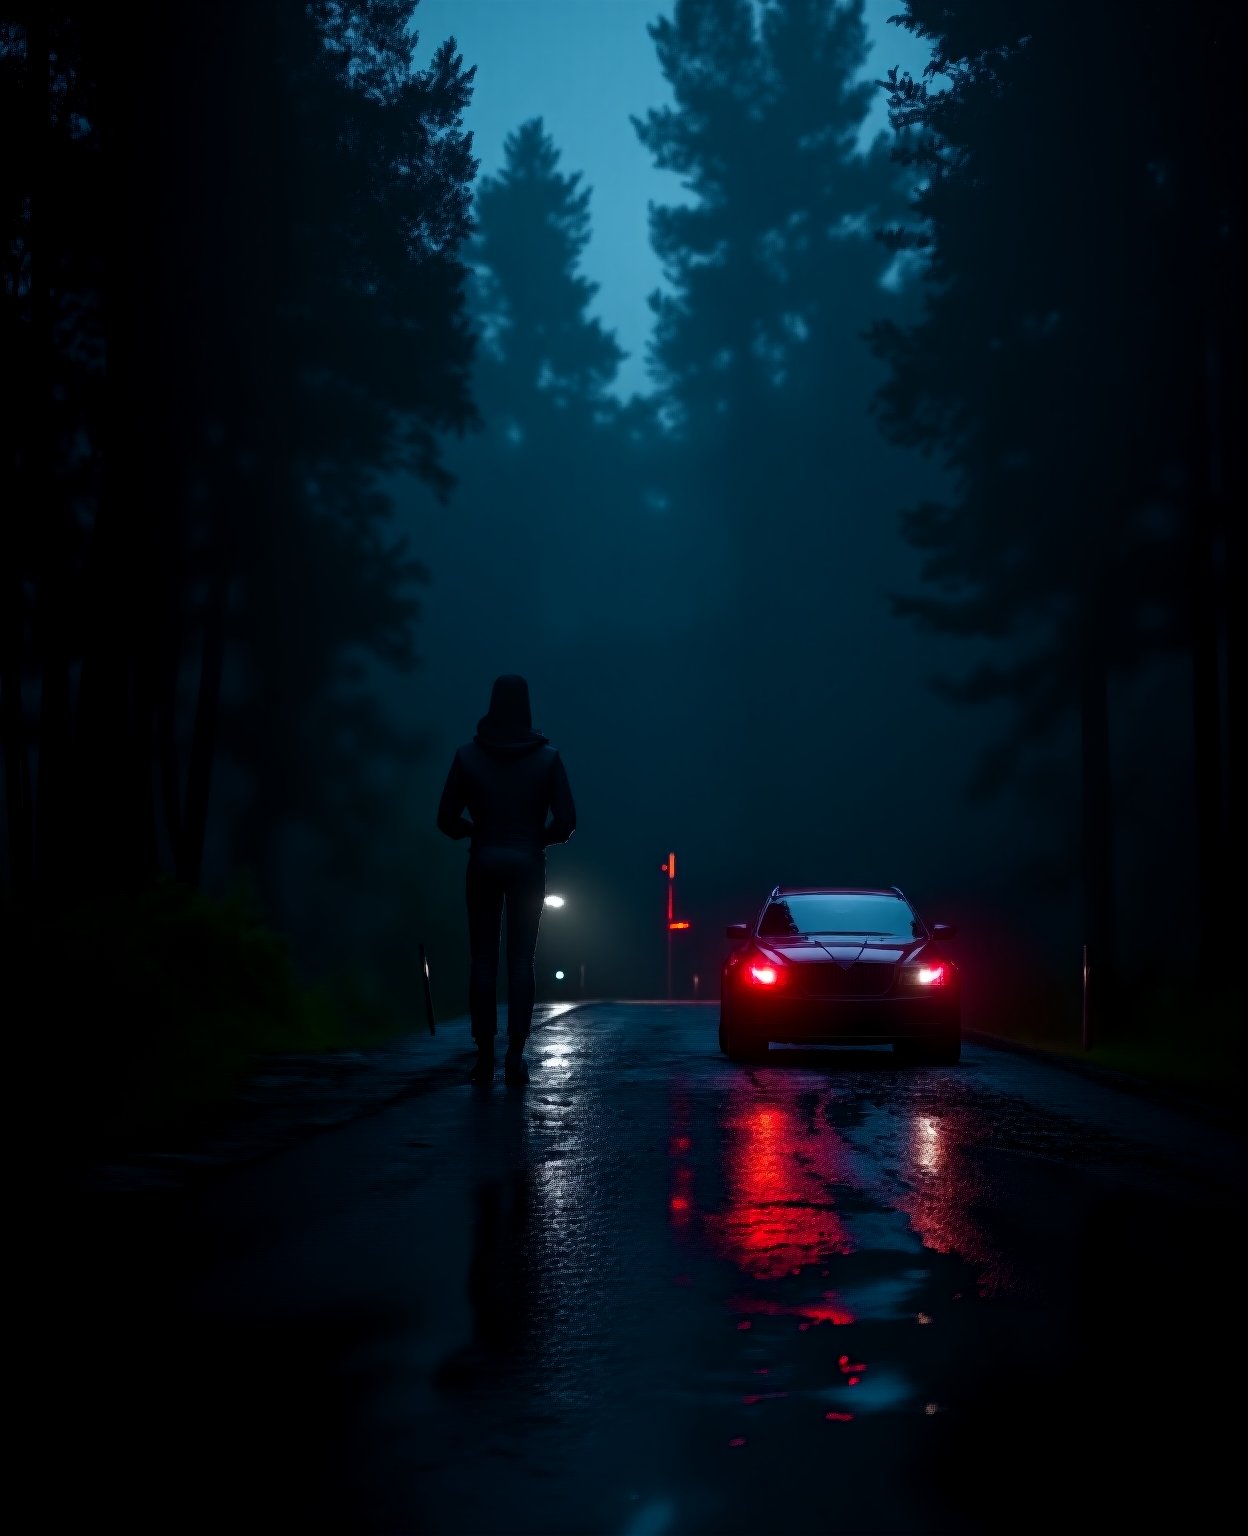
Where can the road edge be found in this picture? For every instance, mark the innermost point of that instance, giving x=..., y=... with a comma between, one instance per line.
x=295, y=1095
x=1112, y=1077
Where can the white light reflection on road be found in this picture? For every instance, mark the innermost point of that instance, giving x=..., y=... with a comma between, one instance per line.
x=553, y=1047
x=926, y=1148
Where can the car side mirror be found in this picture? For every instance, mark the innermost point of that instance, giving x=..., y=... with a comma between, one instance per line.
x=738, y=932
x=944, y=930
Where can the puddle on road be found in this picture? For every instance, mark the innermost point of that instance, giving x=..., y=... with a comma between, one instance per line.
x=831, y=1225
x=778, y=1210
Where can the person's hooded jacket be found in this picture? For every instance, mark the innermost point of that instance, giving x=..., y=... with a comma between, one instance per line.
x=508, y=779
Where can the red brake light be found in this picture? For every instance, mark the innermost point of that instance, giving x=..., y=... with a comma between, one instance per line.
x=764, y=975
x=931, y=975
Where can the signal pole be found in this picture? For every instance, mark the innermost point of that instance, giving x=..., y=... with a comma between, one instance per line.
x=673, y=923
x=670, y=869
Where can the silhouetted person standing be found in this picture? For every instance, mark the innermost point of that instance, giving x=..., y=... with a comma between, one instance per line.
x=508, y=778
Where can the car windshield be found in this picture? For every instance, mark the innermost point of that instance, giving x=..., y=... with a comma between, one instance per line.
x=863, y=913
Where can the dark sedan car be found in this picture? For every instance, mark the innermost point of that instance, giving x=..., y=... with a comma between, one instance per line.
x=836, y=966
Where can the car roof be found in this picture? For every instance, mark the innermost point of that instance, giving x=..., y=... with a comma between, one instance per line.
x=836, y=890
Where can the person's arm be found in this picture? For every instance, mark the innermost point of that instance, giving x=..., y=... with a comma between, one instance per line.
x=451, y=818
x=562, y=821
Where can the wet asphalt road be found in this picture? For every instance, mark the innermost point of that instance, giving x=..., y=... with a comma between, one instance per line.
x=655, y=1292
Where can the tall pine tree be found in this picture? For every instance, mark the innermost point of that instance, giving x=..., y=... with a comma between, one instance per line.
x=1063, y=369
x=235, y=300
x=773, y=274
x=771, y=265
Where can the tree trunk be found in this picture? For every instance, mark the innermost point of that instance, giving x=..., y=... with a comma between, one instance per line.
x=115, y=701
x=1234, y=499
x=190, y=847
x=1208, y=736
x=1098, y=819
x=45, y=511
x=170, y=778
x=1229, y=490
x=144, y=849
x=16, y=761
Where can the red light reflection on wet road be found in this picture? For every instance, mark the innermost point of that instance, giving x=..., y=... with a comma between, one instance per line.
x=779, y=1168
x=783, y=1163
x=680, y=1147
x=826, y=1310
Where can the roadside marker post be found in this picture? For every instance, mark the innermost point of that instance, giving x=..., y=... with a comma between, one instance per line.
x=674, y=924
x=424, y=976
x=1084, y=1033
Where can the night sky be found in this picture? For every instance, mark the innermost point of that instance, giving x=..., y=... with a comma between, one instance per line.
x=586, y=68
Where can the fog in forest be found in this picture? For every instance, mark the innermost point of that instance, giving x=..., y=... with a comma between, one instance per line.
x=909, y=564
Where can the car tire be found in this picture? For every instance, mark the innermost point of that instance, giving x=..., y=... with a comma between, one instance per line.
x=736, y=1044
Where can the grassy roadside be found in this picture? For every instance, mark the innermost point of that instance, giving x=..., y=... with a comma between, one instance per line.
x=1173, y=1039
x=145, y=1012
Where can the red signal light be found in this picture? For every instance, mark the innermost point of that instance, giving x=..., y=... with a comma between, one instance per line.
x=678, y=925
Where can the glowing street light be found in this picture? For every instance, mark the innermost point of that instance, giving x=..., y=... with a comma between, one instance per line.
x=556, y=902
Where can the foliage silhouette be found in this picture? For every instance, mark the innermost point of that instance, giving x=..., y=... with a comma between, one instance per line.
x=236, y=302
x=1076, y=277
x=765, y=379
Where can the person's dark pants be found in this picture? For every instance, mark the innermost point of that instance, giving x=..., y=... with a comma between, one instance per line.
x=516, y=879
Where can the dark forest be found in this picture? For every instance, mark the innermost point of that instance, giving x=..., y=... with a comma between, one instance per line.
x=914, y=564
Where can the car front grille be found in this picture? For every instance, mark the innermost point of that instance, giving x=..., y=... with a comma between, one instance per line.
x=861, y=979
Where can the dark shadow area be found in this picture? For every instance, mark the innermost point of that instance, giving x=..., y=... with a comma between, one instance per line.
x=829, y=1059
x=1123, y=1423
x=198, y=1427
x=177, y=1417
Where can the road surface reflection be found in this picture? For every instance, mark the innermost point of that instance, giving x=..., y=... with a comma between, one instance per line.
x=782, y=1166
x=830, y=1206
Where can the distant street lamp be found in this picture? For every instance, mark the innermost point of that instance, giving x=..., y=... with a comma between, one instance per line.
x=556, y=902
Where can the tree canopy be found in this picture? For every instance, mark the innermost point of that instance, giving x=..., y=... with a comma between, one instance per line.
x=236, y=299
x=1064, y=369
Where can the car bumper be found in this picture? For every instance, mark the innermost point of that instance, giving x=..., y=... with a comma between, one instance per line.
x=866, y=1021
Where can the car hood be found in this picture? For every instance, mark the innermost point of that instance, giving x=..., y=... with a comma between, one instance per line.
x=844, y=949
